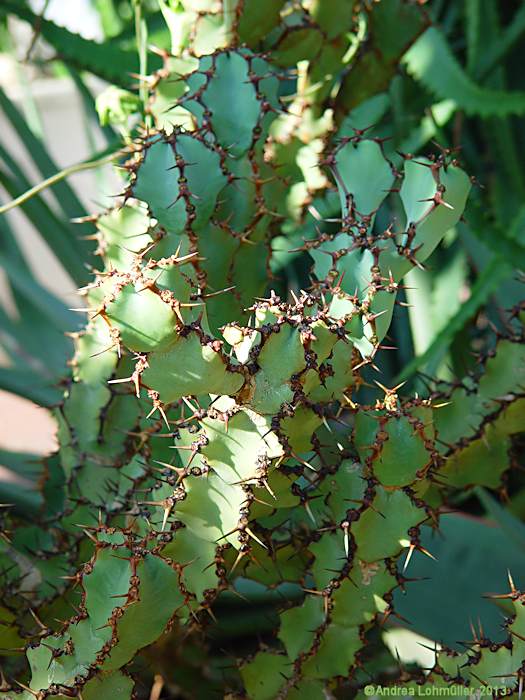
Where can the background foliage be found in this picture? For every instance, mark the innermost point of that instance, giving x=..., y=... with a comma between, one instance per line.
x=455, y=86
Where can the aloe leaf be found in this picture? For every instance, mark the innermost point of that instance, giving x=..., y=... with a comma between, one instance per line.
x=66, y=198
x=472, y=22
x=52, y=231
x=62, y=238
x=9, y=244
x=34, y=341
x=440, y=115
x=472, y=559
x=107, y=60
x=512, y=526
x=88, y=101
x=508, y=253
x=484, y=286
x=24, y=464
x=504, y=242
x=43, y=300
x=27, y=383
x=25, y=501
x=496, y=52
x=432, y=63
x=17, y=488
x=374, y=66
x=109, y=17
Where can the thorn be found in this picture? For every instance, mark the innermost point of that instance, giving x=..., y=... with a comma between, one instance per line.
x=303, y=462
x=311, y=590
x=267, y=487
x=345, y=530
x=409, y=556
x=474, y=633
x=390, y=391
x=187, y=402
x=309, y=511
x=372, y=317
x=27, y=689
x=426, y=553
x=91, y=537
x=180, y=471
x=326, y=425
x=36, y=619
x=247, y=529
x=239, y=557
x=167, y=511
x=212, y=615
x=157, y=406
x=221, y=291
x=120, y=381
x=258, y=500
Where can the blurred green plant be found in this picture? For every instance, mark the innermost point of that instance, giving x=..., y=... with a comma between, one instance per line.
x=276, y=198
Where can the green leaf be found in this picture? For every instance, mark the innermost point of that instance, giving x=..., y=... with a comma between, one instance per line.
x=336, y=653
x=58, y=237
x=362, y=171
x=334, y=17
x=298, y=625
x=513, y=528
x=88, y=101
x=257, y=19
x=472, y=21
x=159, y=597
x=298, y=43
x=472, y=559
x=43, y=300
x=115, y=685
x=503, y=240
x=232, y=98
x=376, y=64
x=25, y=502
x=28, y=384
x=106, y=59
x=157, y=182
x=439, y=115
x=24, y=464
x=33, y=339
x=265, y=674
x=484, y=286
x=189, y=368
x=432, y=62
x=65, y=196
x=493, y=54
